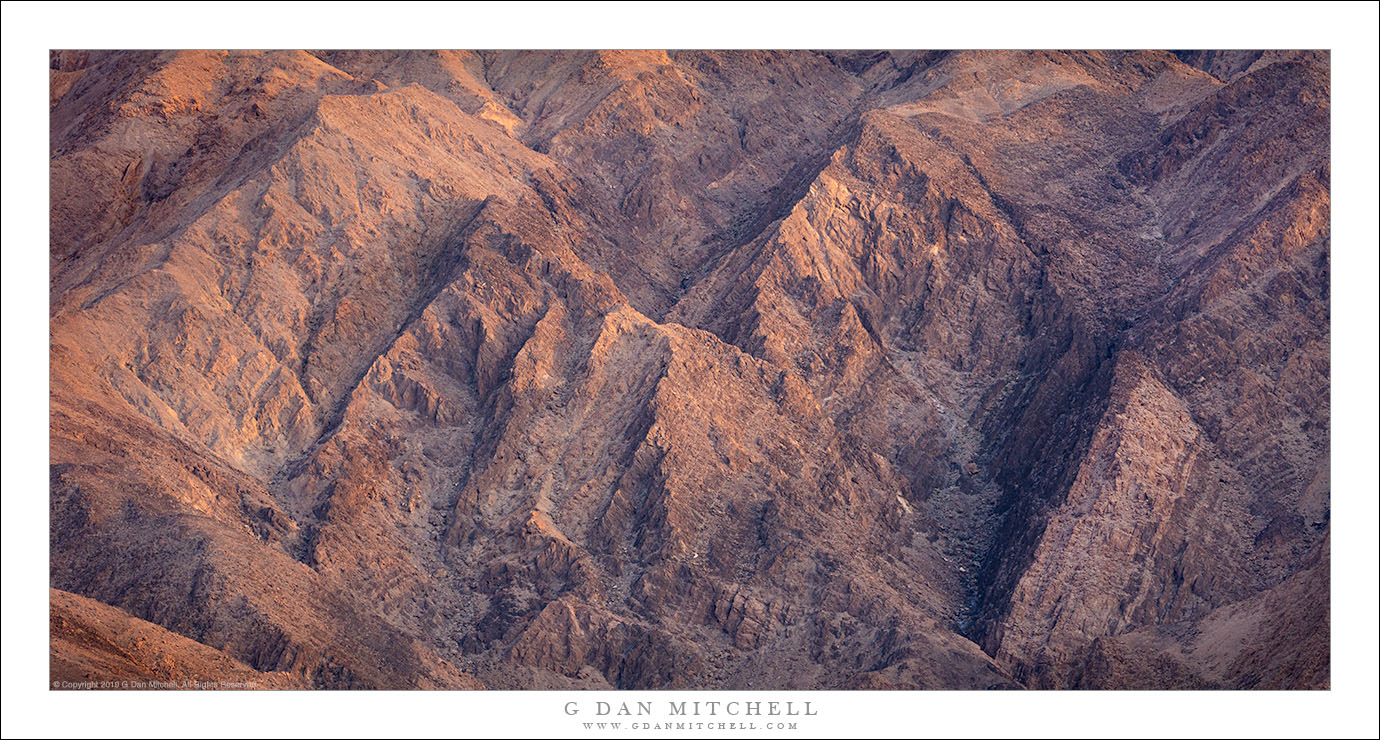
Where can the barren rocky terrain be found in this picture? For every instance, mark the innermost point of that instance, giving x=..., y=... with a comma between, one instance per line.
x=643, y=369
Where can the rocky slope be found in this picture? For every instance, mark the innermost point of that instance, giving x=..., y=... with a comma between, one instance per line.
x=94, y=644
x=698, y=369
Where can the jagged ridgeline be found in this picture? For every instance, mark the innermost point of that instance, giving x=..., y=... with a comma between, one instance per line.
x=740, y=369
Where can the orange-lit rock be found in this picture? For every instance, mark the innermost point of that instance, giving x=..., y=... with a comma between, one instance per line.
x=692, y=369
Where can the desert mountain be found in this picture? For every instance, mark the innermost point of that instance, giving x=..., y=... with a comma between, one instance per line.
x=956, y=370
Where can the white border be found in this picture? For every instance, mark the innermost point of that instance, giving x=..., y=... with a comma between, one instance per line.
x=1349, y=30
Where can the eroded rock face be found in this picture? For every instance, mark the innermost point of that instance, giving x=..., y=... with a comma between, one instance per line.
x=698, y=369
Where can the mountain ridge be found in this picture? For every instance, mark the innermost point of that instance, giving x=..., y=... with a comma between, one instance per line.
x=692, y=369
